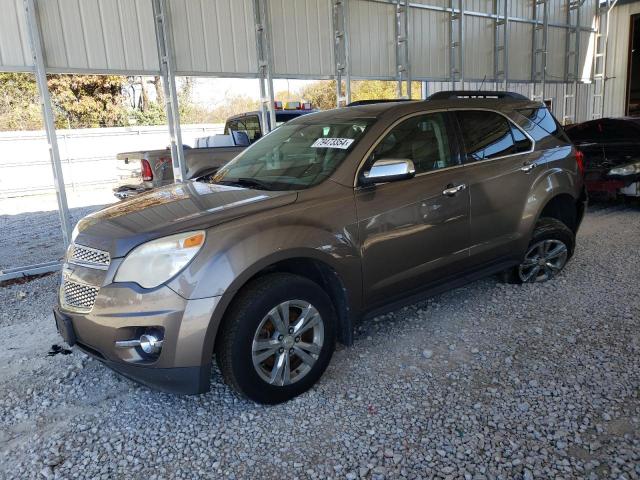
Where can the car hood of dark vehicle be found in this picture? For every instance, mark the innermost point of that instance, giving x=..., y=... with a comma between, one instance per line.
x=172, y=209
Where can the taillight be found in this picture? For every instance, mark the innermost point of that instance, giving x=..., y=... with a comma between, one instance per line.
x=580, y=161
x=147, y=173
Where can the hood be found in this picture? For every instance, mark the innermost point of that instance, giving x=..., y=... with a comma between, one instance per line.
x=172, y=209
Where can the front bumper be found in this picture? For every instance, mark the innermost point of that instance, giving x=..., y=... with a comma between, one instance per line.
x=123, y=311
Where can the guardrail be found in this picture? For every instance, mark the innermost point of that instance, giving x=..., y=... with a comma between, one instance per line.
x=88, y=155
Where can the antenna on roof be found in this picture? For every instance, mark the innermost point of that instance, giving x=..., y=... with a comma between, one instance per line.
x=483, y=80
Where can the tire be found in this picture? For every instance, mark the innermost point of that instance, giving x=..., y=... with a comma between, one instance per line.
x=253, y=329
x=557, y=242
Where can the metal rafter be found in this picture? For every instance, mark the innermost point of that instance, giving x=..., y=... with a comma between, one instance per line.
x=167, y=71
x=263, y=54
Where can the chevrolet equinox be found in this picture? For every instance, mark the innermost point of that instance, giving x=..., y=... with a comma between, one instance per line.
x=265, y=263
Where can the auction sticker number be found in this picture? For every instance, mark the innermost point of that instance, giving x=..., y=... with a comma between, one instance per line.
x=342, y=143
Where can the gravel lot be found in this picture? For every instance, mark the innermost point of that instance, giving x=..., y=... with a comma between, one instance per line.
x=487, y=381
x=38, y=215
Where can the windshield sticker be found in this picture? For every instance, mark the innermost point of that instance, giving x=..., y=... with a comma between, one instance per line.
x=342, y=143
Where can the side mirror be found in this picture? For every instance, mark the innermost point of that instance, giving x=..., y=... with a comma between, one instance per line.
x=388, y=170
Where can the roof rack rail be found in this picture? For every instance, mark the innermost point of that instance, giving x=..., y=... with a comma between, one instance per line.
x=379, y=100
x=450, y=95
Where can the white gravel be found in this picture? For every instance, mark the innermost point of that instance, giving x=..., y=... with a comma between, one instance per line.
x=489, y=381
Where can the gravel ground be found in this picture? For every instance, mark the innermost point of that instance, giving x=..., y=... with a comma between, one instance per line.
x=38, y=215
x=486, y=381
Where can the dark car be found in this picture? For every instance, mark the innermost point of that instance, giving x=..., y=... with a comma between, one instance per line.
x=611, y=149
x=332, y=216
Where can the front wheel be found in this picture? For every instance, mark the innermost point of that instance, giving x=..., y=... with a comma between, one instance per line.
x=549, y=251
x=277, y=339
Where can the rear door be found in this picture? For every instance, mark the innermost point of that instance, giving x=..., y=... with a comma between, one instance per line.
x=499, y=172
x=411, y=233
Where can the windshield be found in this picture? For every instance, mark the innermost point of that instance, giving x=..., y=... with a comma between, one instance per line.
x=294, y=156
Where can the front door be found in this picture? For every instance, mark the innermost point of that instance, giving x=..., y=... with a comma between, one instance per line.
x=414, y=232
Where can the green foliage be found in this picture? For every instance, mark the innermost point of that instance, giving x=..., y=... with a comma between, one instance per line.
x=19, y=102
x=234, y=105
x=322, y=94
x=86, y=101
x=152, y=114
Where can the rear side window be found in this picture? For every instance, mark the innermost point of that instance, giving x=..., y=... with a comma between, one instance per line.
x=489, y=135
x=541, y=117
x=231, y=126
x=252, y=127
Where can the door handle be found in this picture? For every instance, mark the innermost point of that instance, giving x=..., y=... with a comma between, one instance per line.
x=450, y=191
x=527, y=167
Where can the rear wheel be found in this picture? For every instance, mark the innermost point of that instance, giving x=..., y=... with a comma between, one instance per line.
x=550, y=249
x=277, y=339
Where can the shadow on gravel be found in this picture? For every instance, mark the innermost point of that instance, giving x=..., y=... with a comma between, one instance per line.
x=35, y=237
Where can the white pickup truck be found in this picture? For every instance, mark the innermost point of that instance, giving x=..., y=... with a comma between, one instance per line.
x=146, y=169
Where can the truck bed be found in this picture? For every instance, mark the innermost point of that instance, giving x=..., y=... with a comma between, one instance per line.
x=198, y=160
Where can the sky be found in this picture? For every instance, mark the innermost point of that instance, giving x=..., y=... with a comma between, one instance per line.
x=211, y=91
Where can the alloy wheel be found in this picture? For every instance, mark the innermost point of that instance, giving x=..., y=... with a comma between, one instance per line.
x=288, y=342
x=543, y=261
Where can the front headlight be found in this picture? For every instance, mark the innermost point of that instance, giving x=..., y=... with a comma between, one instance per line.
x=155, y=262
x=630, y=169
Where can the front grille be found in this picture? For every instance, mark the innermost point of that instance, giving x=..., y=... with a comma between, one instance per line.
x=89, y=256
x=78, y=296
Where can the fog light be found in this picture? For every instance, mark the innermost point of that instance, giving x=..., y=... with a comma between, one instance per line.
x=150, y=344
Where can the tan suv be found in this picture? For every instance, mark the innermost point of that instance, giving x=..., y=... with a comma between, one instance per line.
x=332, y=216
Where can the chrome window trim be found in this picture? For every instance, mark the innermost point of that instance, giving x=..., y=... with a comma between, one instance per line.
x=463, y=164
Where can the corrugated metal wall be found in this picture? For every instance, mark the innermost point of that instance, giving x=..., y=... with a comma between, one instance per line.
x=99, y=35
x=618, y=58
x=372, y=39
x=299, y=30
x=15, y=53
x=217, y=38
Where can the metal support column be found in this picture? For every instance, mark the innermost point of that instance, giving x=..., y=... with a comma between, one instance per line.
x=37, y=54
x=539, y=48
x=263, y=54
x=501, y=44
x=424, y=91
x=403, y=66
x=600, y=59
x=572, y=62
x=341, y=51
x=456, y=43
x=167, y=71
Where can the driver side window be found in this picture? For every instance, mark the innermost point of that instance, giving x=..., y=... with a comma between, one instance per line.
x=422, y=139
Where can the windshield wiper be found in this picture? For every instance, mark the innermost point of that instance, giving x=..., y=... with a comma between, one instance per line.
x=248, y=183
